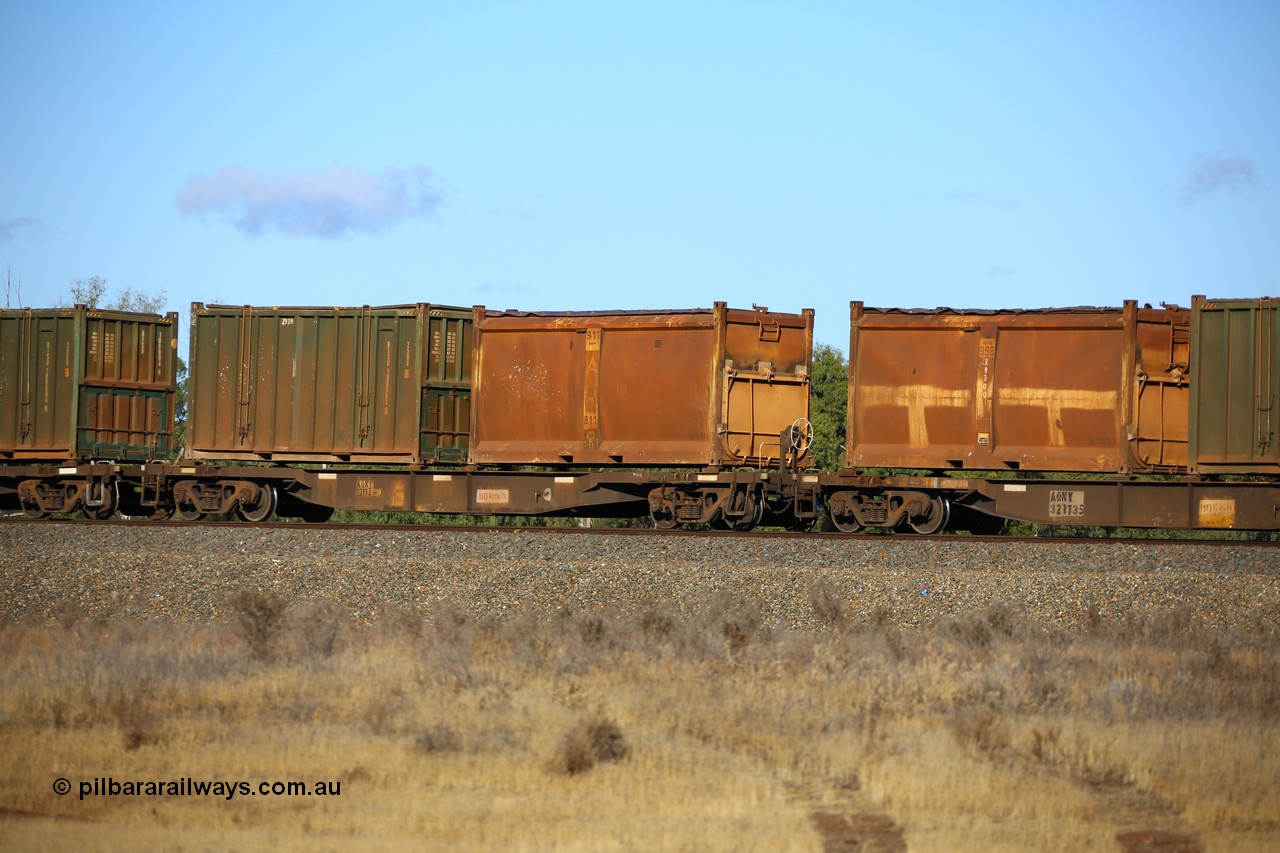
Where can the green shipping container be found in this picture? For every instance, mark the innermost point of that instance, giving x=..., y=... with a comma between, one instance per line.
x=78, y=384
x=288, y=384
x=1235, y=385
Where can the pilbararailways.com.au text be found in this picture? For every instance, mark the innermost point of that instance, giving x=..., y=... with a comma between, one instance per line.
x=188, y=787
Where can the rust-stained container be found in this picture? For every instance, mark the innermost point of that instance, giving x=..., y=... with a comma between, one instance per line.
x=709, y=387
x=81, y=384
x=1235, y=385
x=370, y=384
x=1074, y=389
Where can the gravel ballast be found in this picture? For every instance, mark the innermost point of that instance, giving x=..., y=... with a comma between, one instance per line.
x=189, y=574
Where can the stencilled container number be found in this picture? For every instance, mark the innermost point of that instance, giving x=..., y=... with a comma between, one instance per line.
x=1066, y=504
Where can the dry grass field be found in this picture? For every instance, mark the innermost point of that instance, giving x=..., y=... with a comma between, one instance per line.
x=595, y=731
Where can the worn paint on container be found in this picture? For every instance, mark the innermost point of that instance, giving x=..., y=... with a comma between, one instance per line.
x=1235, y=385
x=1079, y=389
x=711, y=387
x=314, y=384
x=83, y=384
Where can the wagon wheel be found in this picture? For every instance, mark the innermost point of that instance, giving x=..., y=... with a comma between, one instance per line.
x=188, y=511
x=662, y=512
x=32, y=510
x=162, y=512
x=846, y=525
x=935, y=519
x=261, y=509
x=663, y=522
x=844, y=522
x=110, y=503
x=752, y=515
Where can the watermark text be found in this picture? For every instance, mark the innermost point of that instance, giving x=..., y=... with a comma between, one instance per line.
x=108, y=786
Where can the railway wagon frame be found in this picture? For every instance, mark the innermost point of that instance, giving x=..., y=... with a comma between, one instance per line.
x=1219, y=473
x=719, y=390
x=1074, y=390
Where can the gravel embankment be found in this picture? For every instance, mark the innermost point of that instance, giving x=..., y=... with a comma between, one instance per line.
x=189, y=574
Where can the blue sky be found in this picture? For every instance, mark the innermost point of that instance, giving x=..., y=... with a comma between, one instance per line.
x=593, y=156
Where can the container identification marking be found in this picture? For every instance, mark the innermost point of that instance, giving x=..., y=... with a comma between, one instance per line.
x=1066, y=504
x=1217, y=512
x=367, y=489
x=493, y=496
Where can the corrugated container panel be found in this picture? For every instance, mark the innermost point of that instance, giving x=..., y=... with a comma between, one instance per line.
x=700, y=387
x=1235, y=385
x=84, y=384
x=1044, y=390
x=329, y=384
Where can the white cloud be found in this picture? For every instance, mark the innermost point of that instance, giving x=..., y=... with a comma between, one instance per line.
x=1212, y=174
x=11, y=229
x=329, y=203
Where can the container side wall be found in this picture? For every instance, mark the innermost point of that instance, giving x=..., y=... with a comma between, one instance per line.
x=1057, y=398
x=912, y=396
x=653, y=388
x=529, y=395
x=320, y=384
x=218, y=380
x=12, y=359
x=655, y=396
x=1044, y=390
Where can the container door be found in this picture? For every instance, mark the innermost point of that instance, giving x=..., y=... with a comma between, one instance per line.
x=765, y=384
x=1162, y=385
x=127, y=387
x=446, y=421
x=446, y=391
x=1235, y=385
x=38, y=361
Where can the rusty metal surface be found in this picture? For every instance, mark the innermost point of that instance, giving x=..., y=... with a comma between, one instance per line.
x=699, y=387
x=1124, y=503
x=1235, y=385
x=371, y=384
x=77, y=383
x=1083, y=389
x=617, y=493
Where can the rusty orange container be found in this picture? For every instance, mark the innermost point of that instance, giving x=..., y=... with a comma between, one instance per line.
x=710, y=387
x=291, y=384
x=1077, y=389
x=79, y=384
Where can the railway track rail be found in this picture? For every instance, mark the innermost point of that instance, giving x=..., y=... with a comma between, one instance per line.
x=886, y=537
